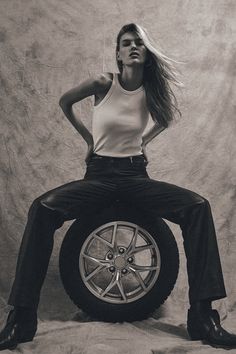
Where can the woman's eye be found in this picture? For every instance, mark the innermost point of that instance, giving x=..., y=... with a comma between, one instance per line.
x=127, y=43
x=139, y=43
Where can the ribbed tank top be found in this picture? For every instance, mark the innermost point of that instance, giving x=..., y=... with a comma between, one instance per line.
x=119, y=121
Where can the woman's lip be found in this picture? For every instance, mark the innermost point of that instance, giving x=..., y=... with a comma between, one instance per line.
x=134, y=53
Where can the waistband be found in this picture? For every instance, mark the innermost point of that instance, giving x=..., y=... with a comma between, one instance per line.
x=112, y=158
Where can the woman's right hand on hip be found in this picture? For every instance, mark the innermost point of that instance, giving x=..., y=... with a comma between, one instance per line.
x=89, y=152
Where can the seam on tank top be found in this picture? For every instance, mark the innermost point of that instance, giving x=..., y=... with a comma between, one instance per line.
x=109, y=92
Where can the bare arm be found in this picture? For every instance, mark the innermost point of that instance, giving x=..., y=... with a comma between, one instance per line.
x=149, y=135
x=152, y=133
x=89, y=87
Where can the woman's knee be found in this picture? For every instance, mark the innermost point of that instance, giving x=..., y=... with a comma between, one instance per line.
x=45, y=200
x=200, y=199
x=48, y=201
x=43, y=206
x=200, y=202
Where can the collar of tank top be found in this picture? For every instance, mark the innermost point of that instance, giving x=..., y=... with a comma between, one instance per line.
x=129, y=92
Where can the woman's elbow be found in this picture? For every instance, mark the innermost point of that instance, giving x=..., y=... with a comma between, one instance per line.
x=61, y=101
x=64, y=103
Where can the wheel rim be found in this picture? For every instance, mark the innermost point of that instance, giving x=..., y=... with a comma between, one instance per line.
x=119, y=262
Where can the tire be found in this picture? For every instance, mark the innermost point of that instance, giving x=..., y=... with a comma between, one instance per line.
x=104, y=279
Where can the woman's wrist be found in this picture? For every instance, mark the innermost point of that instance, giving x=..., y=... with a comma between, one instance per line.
x=144, y=142
x=144, y=151
x=89, y=139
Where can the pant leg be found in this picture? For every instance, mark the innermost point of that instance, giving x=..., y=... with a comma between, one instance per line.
x=46, y=214
x=193, y=213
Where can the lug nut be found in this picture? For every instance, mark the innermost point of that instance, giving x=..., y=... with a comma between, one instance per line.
x=130, y=259
x=112, y=269
x=121, y=250
x=124, y=271
x=110, y=256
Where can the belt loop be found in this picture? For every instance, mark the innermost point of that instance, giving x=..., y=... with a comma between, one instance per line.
x=131, y=159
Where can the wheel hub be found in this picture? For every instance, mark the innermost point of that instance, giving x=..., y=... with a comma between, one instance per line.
x=120, y=262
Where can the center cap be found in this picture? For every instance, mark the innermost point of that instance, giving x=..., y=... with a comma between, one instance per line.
x=120, y=262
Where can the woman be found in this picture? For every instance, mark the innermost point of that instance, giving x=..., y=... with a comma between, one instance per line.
x=116, y=165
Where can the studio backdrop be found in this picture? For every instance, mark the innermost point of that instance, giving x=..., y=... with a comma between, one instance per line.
x=50, y=46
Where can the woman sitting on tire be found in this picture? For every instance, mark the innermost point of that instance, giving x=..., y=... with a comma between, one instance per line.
x=116, y=166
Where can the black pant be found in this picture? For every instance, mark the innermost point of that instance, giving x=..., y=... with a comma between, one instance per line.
x=125, y=179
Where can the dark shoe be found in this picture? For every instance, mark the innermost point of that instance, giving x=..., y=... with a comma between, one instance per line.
x=206, y=327
x=17, y=331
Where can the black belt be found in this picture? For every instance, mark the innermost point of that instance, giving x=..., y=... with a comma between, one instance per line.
x=112, y=158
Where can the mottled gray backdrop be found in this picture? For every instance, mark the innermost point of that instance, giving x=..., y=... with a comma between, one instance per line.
x=49, y=46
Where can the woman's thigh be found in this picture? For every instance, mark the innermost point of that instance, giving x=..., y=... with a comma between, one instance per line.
x=161, y=197
x=85, y=195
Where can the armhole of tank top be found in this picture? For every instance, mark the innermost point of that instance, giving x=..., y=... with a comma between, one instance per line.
x=108, y=94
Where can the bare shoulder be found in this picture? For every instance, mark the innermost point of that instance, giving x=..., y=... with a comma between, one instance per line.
x=103, y=81
x=103, y=84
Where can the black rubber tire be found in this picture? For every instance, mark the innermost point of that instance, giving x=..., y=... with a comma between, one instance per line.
x=102, y=310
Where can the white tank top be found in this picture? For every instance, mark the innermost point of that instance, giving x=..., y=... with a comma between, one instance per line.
x=119, y=121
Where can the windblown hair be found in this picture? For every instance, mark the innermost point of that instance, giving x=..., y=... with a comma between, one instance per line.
x=159, y=73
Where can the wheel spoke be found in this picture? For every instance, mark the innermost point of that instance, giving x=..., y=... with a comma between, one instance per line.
x=132, y=244
x=121, y=288
x=99, y=238
x=110, y=285
x=101, y=262
x=139, y=279
x=94, y=272
x=114, y=238
x=116, y=280
x=143, y=268
x=142, y=248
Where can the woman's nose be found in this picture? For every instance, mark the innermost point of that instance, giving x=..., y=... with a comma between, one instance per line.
x=133, y=45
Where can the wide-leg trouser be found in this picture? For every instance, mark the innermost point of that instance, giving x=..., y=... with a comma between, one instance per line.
x=126, y=179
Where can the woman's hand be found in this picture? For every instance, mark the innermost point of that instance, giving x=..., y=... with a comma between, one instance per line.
x=144, y=150
x=89, y=152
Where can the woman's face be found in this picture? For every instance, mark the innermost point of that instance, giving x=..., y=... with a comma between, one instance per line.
x=132, y=50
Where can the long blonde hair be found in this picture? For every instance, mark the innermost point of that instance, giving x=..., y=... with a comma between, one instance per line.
x=159, y=72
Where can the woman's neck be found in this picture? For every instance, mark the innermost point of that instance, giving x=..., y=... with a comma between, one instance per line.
x=131, y=78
